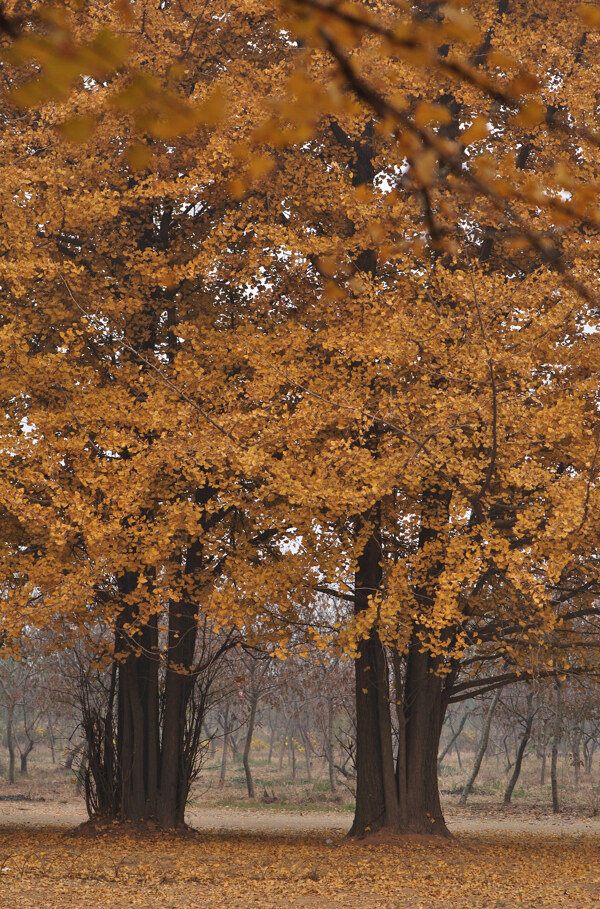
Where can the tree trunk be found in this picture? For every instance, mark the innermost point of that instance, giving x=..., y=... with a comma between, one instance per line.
x=225, y=745
x=330, y=763
x=73, y=753
x=25, y=755
x=543, y=768
x=175, y=771
x=248, y=745
x=137, y=711
x=52, y=741
x=271, y=745
x=284, y=742
x=521, y=751
x=376, y=794
x=458, y=757
x=556, y=735
x=481, y=749
x=10, y=743
x=306, y=745
x=577, y=756
x=416, y=768
x=404, y=798
x=148, y=775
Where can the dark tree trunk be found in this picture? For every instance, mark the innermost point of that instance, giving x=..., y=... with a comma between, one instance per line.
x=179, y=682
x=248, y=745
x=24, y=757
x=376, y=794
x=403, y=798
x=420, y=807
x=521, y=751
x=149, y=773
x=98, y=768
x=137, y=709
x=424, y=702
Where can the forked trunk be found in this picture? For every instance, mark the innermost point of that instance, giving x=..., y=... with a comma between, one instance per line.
x=416, y=768
x=521, y=752
x=481, y=749
x=147, y=776
x=401, y=796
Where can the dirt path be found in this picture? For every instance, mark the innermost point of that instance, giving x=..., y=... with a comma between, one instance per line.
x=68, y=814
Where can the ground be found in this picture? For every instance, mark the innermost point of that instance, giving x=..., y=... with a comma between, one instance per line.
x=45, y=867
x=292, y=854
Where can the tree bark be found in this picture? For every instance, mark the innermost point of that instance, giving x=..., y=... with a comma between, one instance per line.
x=376, y=794
x=148, y=775
x=137, y=710
x=424, y=704
x=25, y=756
x=418, y=790
x=404, y=798
x=179, y=682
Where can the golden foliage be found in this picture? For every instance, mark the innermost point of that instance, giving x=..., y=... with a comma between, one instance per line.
x=282, y=285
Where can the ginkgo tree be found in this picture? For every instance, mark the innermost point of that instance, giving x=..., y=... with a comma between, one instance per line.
x=125, y=491
x=495, y=501
x=332, y=334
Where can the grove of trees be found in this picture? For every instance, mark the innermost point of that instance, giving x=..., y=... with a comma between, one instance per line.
x=299, y=359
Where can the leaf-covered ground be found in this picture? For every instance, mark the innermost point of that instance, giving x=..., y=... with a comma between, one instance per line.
x=45, y=867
